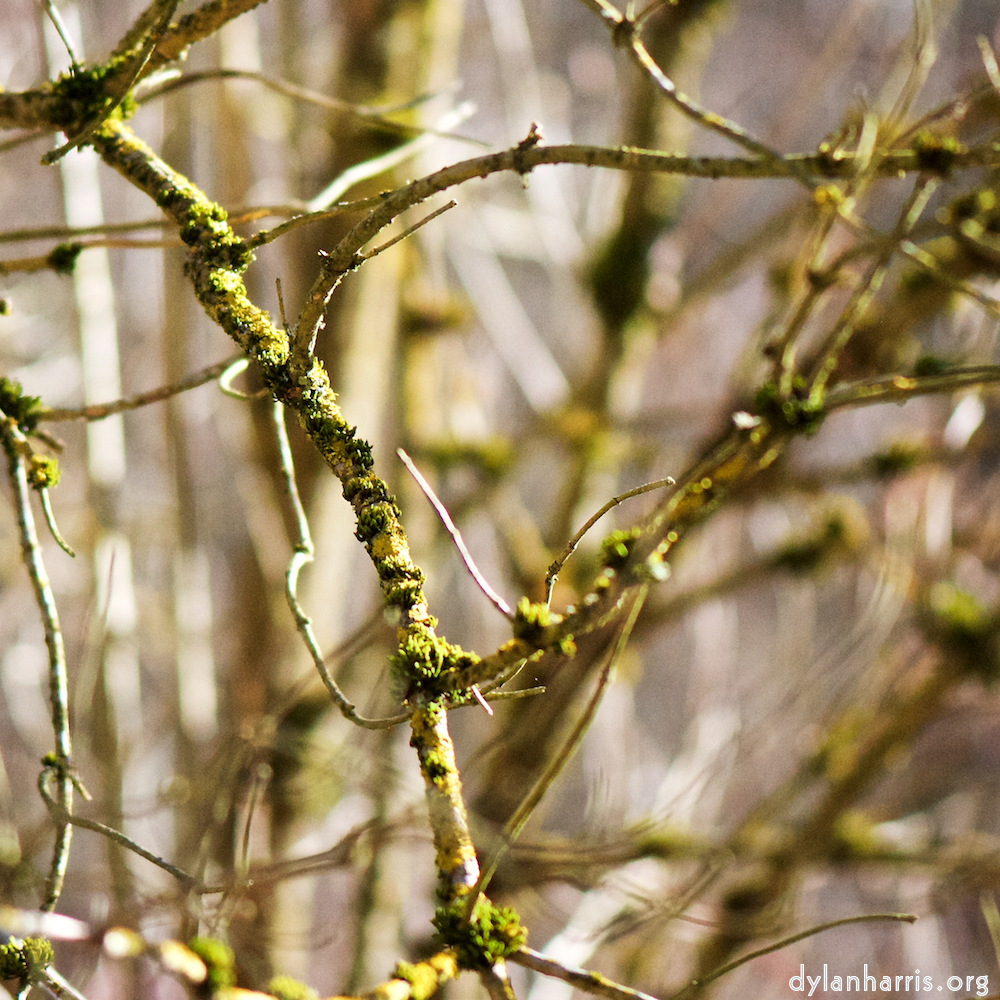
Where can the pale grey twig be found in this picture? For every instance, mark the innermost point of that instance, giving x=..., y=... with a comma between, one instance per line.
x=470, y=564
x=302, y=556
x=50, y=520
x=17, y=448
x=57, y=811
x=57, y=22
x=98, y=411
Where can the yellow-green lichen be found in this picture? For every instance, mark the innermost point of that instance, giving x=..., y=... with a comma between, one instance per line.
x=25, y=961
x=480, y=941
x=422, y=659
x=286, y=988
x=43, y=471
x=23, y=409
x=219, y=961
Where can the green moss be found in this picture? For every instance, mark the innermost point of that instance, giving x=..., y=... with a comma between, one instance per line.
x=26, y=961
x=898, y=457
x=372, y=521
x=62, y=259
x=286, y=988
x=82, y=95
x=936, y=153
x=959, y=623
x=794, y=411
x=491, y=934
x=219, y=961
x=423, y=658
x=26, y=410
x=616, y=547
x=533, y=622
x=43, y=471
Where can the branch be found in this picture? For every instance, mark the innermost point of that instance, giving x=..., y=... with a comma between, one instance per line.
x=589, y=982
x=17, y=448
x=98, y=411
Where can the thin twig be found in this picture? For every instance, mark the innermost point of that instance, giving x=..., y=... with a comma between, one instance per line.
x=553, y=572
x=57, y=811
x=302, y=556
x=60, y=985
x=898, y=388
x=380, y=164
x=50, y=520
x=98, y=411
x=863, y=294
x=410, y=231
x=864, y=918
x=372, y=115
x=497, y=983
x=470, y=564
x=17, y=447
x=588, y=982
x=60, y=25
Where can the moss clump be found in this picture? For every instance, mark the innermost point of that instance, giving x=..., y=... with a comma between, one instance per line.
x=43, y=471
x=898, y=457
x=26, y=410
x=616, y=547
x=26, y=961
x=795, y=411
x=422, y=659
x=491, y=934
x=958, y=622
x=286, y=988
x=62, y=259
x=372, y=521
x=936, y=153
x=83, y=95
x=219, y=962
x=533, y=622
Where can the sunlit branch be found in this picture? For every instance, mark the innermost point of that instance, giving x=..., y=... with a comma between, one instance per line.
x=118, y=85
x=17, y=449
x=589, y=982
x=98, y=411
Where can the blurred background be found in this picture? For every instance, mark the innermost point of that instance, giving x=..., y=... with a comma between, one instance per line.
x=548, y=344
